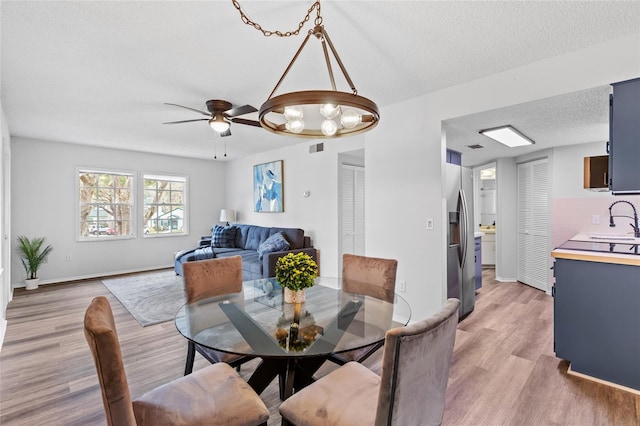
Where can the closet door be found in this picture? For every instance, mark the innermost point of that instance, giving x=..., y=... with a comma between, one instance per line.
x=533, y=224
x=352, y=209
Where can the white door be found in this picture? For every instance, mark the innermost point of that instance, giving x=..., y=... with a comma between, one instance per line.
x=533, y=224
x=352, y=209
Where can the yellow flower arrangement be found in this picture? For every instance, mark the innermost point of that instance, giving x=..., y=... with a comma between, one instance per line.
x=296, y=271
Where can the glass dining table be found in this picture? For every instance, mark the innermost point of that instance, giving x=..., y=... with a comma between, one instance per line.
x=292, y=340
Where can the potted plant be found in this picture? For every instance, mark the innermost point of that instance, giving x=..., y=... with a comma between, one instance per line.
x=296, y=272
x=33, y=255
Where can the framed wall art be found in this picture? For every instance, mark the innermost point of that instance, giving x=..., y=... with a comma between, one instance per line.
x=268, y=187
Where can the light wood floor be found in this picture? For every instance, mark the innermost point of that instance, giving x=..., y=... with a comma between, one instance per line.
x=503, y=372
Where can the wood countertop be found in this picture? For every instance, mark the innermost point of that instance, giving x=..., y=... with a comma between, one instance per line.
x=595, y=256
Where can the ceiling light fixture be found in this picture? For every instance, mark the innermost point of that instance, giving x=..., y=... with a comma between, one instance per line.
x=317, y=114
x=219, y=123
x=507, y=135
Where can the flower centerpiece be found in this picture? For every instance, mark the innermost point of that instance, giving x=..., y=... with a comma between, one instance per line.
x=296, y=272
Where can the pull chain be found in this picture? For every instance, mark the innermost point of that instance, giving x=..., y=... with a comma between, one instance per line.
x=267, y=33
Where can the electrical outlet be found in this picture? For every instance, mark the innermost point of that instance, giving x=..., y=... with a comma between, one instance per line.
x=402, y=286
x=429, y=223
x=69, y=257
x=595, y=219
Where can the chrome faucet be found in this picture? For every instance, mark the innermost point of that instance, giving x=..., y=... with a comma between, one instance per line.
x=636, y=228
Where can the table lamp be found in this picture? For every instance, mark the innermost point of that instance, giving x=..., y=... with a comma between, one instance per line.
x=227, y=216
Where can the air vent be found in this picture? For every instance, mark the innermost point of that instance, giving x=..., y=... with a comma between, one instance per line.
x=317, y=147
x=476, y=146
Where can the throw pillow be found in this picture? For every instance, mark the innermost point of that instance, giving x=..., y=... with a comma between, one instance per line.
x=276, y=242
x=223, y=236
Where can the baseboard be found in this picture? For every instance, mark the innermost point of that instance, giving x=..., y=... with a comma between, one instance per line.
x=3, y=329
x=604, y=382
x=97, y=275
x=506, y=280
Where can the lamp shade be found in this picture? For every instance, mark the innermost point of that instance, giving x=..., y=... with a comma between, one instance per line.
x=227, y=215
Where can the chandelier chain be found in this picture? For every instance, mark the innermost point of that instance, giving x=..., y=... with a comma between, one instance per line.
x=268, y=33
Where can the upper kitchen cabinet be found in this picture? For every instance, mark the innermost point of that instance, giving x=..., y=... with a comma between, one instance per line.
x=624, y=138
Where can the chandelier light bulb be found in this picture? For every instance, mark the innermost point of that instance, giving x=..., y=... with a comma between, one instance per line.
x=350, y=119
x=329, y=111
x=292, y=113
x=295, y=126
x=329, y=127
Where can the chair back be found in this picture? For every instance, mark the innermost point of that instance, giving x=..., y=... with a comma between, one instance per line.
x=212, y=277
x=370, y=276
x=101, y=335
x=415, y=369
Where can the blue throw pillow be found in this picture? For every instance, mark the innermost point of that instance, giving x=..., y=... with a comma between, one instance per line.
x=223, y=236
x=276, y=242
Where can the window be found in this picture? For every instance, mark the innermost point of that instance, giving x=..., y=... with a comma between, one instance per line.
x=164, y=205
x=105, y=204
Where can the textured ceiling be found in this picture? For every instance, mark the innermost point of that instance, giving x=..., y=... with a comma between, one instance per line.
x=99, y=72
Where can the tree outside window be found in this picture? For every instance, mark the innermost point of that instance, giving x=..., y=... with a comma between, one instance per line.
x=164, y=205
x=106, y=204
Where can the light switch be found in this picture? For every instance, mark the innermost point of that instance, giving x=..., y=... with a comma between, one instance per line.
x=429, y=223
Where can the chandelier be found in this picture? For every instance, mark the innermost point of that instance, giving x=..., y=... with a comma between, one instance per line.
x=317, y=114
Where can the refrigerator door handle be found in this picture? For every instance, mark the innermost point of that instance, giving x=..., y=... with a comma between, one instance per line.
x=463, y=228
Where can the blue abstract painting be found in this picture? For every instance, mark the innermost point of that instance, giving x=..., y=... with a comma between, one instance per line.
x=267, y=187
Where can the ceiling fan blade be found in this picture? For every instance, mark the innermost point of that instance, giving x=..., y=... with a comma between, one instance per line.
x=247, y=122
x=226, y=133
x=186, y=121
x=240, y=111
x=189, y=108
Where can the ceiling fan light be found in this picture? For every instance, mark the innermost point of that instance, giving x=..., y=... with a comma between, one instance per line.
x=350, y=119
x=219, y=124
x=295, y=126
x=329, y=110
x=328, y=127
x=293, y=113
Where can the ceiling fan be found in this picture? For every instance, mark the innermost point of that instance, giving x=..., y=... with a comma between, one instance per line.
x=220, y=116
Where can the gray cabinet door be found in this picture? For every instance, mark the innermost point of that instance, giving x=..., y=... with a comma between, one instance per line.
x=624, y=138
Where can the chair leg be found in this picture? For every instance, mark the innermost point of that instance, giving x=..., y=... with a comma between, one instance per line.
x=191, y=355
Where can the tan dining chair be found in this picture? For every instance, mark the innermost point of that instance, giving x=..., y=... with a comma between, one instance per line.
x=214, y=395
x=370, y=276
x=410, y=390
x=209, y=278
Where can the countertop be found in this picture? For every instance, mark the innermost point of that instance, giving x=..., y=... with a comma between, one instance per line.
x=604, y=257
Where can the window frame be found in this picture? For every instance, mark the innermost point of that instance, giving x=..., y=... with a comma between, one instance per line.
x=132, y=204
x=159, y=176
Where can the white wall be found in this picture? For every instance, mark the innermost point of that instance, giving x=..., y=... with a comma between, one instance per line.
x=6, y=293
x=507, y=220
x=43, y=204
x=404, y=157
x=317, y=173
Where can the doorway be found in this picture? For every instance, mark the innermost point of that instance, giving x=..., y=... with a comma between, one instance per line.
x=351, y=204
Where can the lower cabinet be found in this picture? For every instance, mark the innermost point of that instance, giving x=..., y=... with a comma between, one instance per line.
x=597, y=319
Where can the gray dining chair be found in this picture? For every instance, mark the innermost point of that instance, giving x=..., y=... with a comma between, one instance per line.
x=370, y=276
x=214, y=395
x=410, y=390
x=209, y=278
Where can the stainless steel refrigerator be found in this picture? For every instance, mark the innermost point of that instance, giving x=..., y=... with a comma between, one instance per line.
x=460, y=237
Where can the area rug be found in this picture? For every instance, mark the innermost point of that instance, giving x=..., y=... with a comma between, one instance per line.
x=149, y=298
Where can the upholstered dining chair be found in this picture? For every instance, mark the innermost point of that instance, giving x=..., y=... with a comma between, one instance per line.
x=208, y=278
x=214, y=395
x=370, y=276
x=410, y=390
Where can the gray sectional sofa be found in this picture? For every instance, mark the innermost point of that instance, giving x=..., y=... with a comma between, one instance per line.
x=258, y=246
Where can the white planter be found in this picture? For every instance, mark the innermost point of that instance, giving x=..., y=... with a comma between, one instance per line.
x=32, y=284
